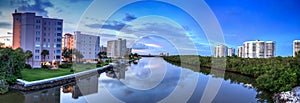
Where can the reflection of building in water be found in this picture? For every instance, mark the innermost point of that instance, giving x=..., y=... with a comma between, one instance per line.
x=118, y=71
x=85, y=85
x=51, y=95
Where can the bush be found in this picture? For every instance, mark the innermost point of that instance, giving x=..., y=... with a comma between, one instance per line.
x=68, y=65
x=3, y=86
x=45, y=67
x=27, y=66
x=11, y=80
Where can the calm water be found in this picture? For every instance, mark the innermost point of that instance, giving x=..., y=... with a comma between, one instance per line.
x=151, y=80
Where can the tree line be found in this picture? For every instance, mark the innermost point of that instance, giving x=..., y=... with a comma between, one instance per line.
x=273, y=74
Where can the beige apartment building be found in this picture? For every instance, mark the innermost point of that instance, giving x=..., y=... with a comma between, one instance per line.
x=296, y=47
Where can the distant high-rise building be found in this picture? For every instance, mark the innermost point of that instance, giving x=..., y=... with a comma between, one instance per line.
x=116, y=48
x=241, y=51
x=270, y=49
x=221, y=51
x=259, y=49
x=6, y=39
x=68, y=41
x=35, y=33
x=296, y=47
x=87, y=45
x=103, y=49
x=231, y=51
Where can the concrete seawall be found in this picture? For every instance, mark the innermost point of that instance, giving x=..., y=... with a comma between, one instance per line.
x=24, y=85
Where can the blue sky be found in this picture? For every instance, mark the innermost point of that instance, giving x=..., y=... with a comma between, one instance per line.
x=242, y=20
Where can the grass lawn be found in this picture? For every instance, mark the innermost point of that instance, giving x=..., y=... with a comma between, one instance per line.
x=39, y=74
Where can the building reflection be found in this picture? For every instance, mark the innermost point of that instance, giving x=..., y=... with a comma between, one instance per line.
x=118, y=71
x=51, y=95
x=84, y=85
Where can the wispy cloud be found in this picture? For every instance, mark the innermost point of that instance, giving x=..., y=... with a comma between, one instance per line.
x=5, y=25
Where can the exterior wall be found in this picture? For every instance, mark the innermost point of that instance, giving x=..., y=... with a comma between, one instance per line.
x=241, y=51
x=68, y=41
x=259, y=49
x=35, y=33
x=221, y=51
x=117, y=48
x=231, y=51
x=296, y=47
x=87, y=45
x=270, y=49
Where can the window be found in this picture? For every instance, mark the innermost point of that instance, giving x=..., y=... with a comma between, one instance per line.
x=58, y=51
x=44, y=40
x=38, y=39
x=44, y=45
x=45, y=34
x=48, y=45
x=48, y=34
x=48, y=40
x=58, y=45
x=38, y=21
x=37, y=44
x=37, y=27
x=37, y=32
x=37, y=51
x=36, y=57
x=58, y=34
x=59, y=29
x=58, y=40
x=59, y=23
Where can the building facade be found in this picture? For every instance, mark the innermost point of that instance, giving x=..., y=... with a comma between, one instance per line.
x=117, y=48
x=270, y=49
x=231, y=52
x=6, y=39
x=68, y=41
x=296, y=47
x=258, y=49
x=87, y=45
x=221, y=51
x=35, y=33
x=241, y=51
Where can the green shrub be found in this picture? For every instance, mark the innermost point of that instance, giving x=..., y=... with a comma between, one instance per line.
x=68, y=65
x=3, y=86
x=11, y=80
x=27, y=66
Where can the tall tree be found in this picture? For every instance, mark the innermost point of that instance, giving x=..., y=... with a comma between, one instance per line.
x=77, y=54
x=28, y=55
x=44, y=53
x=67, y=54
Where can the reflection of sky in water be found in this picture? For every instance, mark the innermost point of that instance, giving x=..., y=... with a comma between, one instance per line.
x=114, y=90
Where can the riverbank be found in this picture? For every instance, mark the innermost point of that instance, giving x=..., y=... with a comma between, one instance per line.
x=24, y=85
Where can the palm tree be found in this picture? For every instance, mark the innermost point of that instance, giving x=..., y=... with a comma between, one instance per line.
x=44, y=53
x=28, y=55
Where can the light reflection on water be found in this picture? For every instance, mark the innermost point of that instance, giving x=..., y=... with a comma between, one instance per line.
x=151, y=80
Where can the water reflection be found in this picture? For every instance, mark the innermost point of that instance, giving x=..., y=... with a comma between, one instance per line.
x=127, y=83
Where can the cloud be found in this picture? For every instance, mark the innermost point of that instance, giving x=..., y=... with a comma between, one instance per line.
x=129, y=17
x=5, y=25
x=37, y=6
x=112, y=25
x=139, y=46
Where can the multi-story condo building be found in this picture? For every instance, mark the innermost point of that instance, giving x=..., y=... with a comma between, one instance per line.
x=68, y=41
x=35, y=33
x=221, y=51
x=116, y=48
x=296, y=47
x=270, y=49
x=231, y=51
x=259, y=49
x=87, y=45
x=6, y=40
x=241, y=51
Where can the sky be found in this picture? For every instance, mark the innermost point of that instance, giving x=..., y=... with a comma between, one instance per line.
x=154, y=27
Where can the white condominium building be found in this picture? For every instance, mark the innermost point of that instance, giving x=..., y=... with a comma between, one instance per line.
x=87, y=45
x=259, y=49
x=296, y=47
x=116, y=48
x=270, y=49
x=6, y=39
x=231, y=51
x=241, y=51
x=221, y=51
x=35, y=33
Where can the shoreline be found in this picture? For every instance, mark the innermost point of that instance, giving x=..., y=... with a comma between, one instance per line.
x=23, y=85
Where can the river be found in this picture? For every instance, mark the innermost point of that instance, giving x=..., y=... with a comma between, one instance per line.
x=150, y=80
